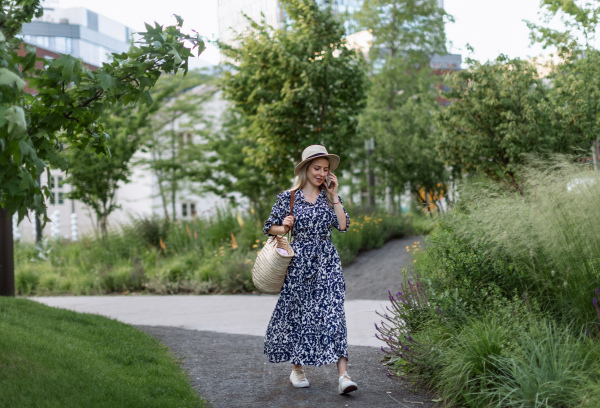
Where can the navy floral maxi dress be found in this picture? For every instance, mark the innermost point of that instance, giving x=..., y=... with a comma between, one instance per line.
x=308, y=325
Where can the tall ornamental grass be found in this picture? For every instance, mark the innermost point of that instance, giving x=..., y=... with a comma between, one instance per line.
x=203, y=255
x=502, y=307
x=550, y=236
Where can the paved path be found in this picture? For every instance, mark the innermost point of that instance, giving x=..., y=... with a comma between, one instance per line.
x=233, y=314
x=231, y=371
x=375, y=272
x=220, y=340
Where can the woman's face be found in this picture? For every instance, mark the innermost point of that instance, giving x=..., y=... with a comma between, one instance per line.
x=317, y=171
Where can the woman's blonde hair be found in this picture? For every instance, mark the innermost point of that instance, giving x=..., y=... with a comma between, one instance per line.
x=301, y=180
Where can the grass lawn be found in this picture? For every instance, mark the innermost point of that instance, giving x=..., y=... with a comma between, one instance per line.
x=57, y=358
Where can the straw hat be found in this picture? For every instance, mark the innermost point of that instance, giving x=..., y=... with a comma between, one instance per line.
x=316, y=152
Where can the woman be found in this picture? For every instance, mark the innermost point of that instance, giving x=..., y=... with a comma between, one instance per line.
x=308, y=325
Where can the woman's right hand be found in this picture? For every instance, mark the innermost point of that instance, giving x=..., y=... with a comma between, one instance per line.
x=288, y=222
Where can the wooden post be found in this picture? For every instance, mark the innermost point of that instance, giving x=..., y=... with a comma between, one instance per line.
x=7, y=264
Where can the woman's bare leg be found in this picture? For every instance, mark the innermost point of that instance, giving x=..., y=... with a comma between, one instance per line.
x=342, y=365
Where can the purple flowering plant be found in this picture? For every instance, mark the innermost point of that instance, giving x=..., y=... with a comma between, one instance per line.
x=408, y=310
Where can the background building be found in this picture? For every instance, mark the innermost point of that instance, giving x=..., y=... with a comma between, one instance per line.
x=78, y=32
x=232, y=20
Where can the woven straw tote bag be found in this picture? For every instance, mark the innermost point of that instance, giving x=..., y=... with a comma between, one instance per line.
x=270, y=266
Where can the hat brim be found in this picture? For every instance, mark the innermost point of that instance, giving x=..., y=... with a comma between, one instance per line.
x=334, y=162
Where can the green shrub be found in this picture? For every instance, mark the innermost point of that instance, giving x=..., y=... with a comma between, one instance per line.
x=27, y=281
x=548, y=235
x=419, y=223
x=191, y=256
x=506, y=289
x=150, y=230
x=124, y=277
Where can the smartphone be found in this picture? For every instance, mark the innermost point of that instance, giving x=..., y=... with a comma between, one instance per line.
x=328, y=180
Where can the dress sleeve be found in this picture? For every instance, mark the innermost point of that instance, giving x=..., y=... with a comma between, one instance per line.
x=279, y=212
x=336, y=223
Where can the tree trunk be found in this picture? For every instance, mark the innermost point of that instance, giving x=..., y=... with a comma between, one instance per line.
x=372, y=189
x=103, y=224
x=38, y=228
x=38, y=221
x=388, y=194
x=7, y=263
x=173, y=175
x=595, y=154
x=173, y=197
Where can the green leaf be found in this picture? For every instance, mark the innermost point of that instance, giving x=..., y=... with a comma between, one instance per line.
x=107, y=82
x=201, y=45
x=15, y=115
x=146, y=98
x=176, y=56
x=68, y=67
x=179, y=20
x=40, y=165
x=26, y=181
x=8, y=78
x=26, y=149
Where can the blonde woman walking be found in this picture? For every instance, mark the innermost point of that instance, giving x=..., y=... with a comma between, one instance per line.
x=308, y=325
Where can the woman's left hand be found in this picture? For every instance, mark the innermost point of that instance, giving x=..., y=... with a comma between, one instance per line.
x=333, y=188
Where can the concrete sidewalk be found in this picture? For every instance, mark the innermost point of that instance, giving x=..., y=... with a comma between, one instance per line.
x=231, y=314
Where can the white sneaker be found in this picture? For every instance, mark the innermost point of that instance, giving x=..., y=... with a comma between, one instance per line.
x=298, y=378
x=346, y=384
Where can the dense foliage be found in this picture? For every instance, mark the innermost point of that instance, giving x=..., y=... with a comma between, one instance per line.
x=294, y=86
x=402, y=99
x=499, y=111
x=503, y=110
x=502, y=309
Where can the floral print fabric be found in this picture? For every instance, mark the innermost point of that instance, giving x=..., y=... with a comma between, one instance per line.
x=308, y=325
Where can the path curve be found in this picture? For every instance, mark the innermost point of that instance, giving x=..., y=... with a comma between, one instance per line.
x=375, y=272
x=219, y=340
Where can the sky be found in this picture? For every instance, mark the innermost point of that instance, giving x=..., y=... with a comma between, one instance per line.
x=491, y=27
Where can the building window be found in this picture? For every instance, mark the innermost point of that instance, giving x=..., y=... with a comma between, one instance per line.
x=185, y=139
x=92, y=20
x=188, y=210
x=61, y=198
x=57, y=195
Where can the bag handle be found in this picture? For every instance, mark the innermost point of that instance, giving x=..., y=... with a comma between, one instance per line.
x=291, y=213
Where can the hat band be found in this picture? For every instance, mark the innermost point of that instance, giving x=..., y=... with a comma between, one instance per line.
x=315, y=155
